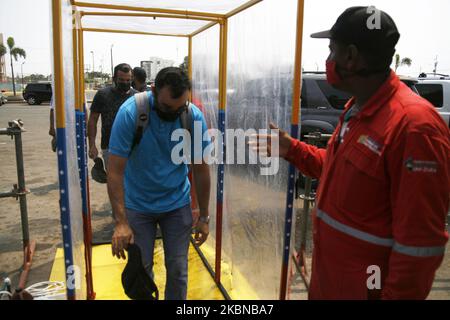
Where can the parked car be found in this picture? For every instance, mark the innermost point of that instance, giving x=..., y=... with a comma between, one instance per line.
x=321, y=104
x=36, y=93
x=438, y=93
x=434, y=76
x=3, y=99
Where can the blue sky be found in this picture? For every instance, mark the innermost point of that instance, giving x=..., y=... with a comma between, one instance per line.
x=423, y=26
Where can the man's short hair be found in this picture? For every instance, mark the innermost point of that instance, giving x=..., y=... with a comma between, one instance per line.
x=124, y=67
x=139, y=74
x=177, y=80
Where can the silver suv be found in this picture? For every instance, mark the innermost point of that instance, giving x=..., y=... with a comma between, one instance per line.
x=437, y=91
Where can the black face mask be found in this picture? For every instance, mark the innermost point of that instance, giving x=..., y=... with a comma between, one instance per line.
x=169, y=116
x=123, y=86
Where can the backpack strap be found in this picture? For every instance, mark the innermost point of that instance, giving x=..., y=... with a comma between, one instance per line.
x=186, y=119
x=143, y=108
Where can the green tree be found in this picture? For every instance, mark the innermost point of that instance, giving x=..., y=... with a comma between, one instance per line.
x=185, y=65
x=35, y=78
x=402, y=62
x=14, y=52
x=2, y=50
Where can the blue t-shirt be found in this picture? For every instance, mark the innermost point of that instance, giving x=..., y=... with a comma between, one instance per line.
x=153, y=183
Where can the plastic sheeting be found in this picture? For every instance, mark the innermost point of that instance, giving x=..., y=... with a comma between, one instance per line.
x=205, y=74
x=210, y=6
x=144, y=24
x=261, y=46
x=71, y=203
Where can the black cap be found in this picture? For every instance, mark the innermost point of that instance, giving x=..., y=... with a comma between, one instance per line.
x=368, y=28
x=98, y=171
x=137, y=283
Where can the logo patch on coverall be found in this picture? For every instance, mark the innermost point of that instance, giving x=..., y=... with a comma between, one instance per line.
x=370, y=143
x=421, y=166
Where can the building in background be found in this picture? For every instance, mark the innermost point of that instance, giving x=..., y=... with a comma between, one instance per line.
x=2, y=63
x=154, y=65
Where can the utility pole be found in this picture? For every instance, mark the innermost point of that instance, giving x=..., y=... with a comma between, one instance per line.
x=93, y=65
x=435, y=65
x=93, y=70
x=21, y=67
x=112, y=62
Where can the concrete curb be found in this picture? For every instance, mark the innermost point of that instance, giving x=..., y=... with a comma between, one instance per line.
x=15, y=102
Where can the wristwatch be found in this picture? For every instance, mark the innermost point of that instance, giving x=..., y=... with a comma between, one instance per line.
x=204, y=219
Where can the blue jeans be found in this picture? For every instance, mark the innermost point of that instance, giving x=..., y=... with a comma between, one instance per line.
x=176, y=228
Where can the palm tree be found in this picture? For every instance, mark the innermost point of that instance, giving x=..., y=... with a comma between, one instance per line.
x=2, y=50
x=14, y=52
x=402, y=62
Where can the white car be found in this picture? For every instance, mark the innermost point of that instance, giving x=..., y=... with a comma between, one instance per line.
x=438, y=93
x=3, y=99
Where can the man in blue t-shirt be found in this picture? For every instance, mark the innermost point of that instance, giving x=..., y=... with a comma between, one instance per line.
x=146, y=187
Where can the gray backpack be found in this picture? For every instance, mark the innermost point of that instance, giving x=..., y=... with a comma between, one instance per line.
x=143, y=113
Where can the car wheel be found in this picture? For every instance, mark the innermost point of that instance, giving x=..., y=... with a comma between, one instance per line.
x=32, y=101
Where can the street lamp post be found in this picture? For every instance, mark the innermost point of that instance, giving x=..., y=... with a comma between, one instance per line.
x=112, y=62
x=93, y=69
x=21, y=67
x=93, y=65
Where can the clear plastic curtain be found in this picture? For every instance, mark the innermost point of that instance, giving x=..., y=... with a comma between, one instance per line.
x=205, y=75
x=261, y=45
x=71, y=216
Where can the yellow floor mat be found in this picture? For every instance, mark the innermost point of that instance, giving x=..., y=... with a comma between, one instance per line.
x=107, y=272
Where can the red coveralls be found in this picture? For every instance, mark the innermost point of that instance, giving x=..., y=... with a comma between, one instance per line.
x=382, y=199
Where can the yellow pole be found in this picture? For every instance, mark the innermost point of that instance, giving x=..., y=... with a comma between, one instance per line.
x=76, y=69
x=245, y=6
x=154, y=10
x=58, y=76
x=297, y=84
x=134, y=32
x=150, y=15
x=190, y=61
x=224, y=61
x=81, y=66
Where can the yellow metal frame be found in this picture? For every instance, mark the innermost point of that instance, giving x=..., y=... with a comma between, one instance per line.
x=221, y=19
x=148, y=15
x=152, y=10
x=243, y=7
x=134, y=32
x=81, y=68
x=76, y=69
x=223, y=58
x=58, y=76
x=297, y=84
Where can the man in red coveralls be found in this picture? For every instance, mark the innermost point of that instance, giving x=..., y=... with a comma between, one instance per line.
x=379, y=224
